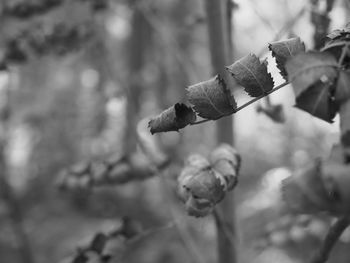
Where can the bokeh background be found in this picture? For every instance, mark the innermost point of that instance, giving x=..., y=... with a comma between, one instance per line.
x=88, y=94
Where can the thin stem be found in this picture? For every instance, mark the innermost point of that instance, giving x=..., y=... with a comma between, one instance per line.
x=331, y=238
x=249, y=102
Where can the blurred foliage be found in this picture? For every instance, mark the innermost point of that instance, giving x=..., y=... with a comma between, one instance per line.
x=71, y=68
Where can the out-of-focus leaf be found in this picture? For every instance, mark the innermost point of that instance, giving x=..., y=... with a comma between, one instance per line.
x=317, y=101
x=344, y=114
x=274, y=112
x=304, y=191
x=305, y=69
x=211, y=99
x=282, y=50
x=335, y=42
x=252, y=74
x=172, y=119
x=336, y=178
x=342, y=92
x=226, y=161
x=337, y=154
x=98, y=242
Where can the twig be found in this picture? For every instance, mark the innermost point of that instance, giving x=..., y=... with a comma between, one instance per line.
x=249, y=102
x=331, y=238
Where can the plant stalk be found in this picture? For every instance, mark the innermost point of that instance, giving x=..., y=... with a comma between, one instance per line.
x=219, y=33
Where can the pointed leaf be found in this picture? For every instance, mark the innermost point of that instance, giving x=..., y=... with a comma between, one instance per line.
x=317, y=101
x=252, y=74
x=307, y=68
x=282, y=50
x=172, y=119
x=342, y=92
x=211, y=99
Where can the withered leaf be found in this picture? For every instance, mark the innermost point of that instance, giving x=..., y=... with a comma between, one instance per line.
x=199, y=186
x=252, y=74
x=305, y=69
x=172, y=119
x=198, y=177
x=211, y=99
x=226, y=161
x=317, y=101
x=282, y=50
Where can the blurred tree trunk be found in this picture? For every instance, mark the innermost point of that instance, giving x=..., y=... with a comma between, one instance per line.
x=221, y=56
x=92, y=95
x=6, y=191
x=137, y=45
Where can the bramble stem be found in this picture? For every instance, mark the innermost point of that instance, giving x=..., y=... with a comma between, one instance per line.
x=331, y=238
x=249, y=102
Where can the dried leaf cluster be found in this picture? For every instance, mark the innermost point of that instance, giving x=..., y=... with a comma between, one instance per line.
x=212, y=99
x=203, y=182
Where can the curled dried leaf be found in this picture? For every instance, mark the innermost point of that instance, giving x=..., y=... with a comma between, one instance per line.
x=226, y=161
x=252, y=74
x=211, y=99
x=172, y=119
x=282, y=50
x=202, y=184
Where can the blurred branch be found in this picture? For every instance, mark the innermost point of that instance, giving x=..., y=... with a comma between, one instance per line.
x=286, y=27
x=112, y=171
x=98, y=247
x=331, y=238
x=170, y=42
x=320, y=20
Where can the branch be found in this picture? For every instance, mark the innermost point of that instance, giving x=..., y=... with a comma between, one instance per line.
x=331, y=238
x=249, y=102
